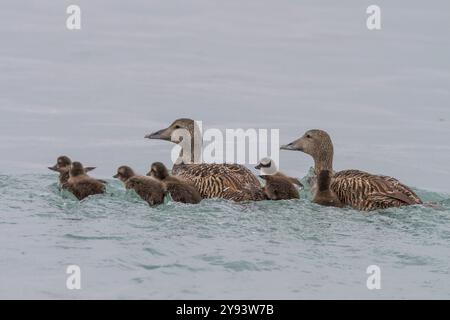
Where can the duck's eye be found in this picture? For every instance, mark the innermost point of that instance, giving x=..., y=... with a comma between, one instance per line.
x=308, y=136
x=177, y=127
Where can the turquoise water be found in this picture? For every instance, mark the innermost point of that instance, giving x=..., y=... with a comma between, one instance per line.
x=217, y=249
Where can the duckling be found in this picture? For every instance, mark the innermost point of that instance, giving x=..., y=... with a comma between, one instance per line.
x=358, y=189
x=279, y=188
x=323, y=194
x=213, y=180
x=268, y=167
x=148, y=188
x=179, y=189
x=80, y=184
x=63, y=166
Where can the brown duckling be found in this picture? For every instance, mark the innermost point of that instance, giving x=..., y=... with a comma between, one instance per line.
x=279, y=188
x=268, y=167
x=80, y=184
x=179, y=189
x=148, y=188
x=323, y=194
x=63, y=166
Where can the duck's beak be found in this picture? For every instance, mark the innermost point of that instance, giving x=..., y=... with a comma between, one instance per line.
x=116, y=176
x=287, y=147
x=87, y=169
x=163, y=134
x=54, y=168
x=295, y=145
x=258, y=166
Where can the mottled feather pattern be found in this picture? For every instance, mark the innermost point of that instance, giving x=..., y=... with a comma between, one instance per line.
x=365, y=191
x=229, y=181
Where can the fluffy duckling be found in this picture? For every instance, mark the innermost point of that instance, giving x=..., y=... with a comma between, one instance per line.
x=279, y=188
x=323, y=194
x=268, y=167
x=358, y=189
x=179, y=189
x=148, y=188
x=80, y=184
x=63, y=167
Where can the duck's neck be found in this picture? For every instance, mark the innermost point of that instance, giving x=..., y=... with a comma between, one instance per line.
x=194, y=155
x=324, y=160
x=323, y=164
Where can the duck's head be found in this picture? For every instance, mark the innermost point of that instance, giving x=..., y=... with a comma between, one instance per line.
x=62, y=163
x=316, y=143
x=168, y=134
x=124, y=173
x=76, y=169
x=158, y=170
x=264, y=163
x=267, y=166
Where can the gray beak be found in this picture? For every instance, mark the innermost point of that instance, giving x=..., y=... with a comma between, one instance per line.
x=289, y=146
x=157, y=135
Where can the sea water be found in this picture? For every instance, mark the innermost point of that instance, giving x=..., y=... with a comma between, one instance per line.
x=216, y=249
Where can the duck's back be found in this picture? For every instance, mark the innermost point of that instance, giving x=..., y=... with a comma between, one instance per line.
x=182, y=191
x=365, y=191
x=84, y=186
x=149, y=189
x=280, y=188
x=229, y=181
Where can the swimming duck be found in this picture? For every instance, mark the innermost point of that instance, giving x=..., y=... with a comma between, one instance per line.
x=80, y=184
x=323, y=195
x=279, y=188
x=148, y=188
x=63, y=166
x=358, y=189
x=179, y=189
x=268, y=167
x=212, y=180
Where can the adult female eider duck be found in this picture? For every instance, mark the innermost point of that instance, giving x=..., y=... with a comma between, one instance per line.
x=358, y=189
x=180, y=190
x=63, y=166
x=230, y=181
x=80, y=184
x=148, y=188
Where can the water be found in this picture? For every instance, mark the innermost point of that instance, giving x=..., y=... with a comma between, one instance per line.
x=217, y=249
x=289, y=65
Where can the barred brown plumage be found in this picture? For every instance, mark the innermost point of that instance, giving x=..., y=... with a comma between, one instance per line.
x=358, y=189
